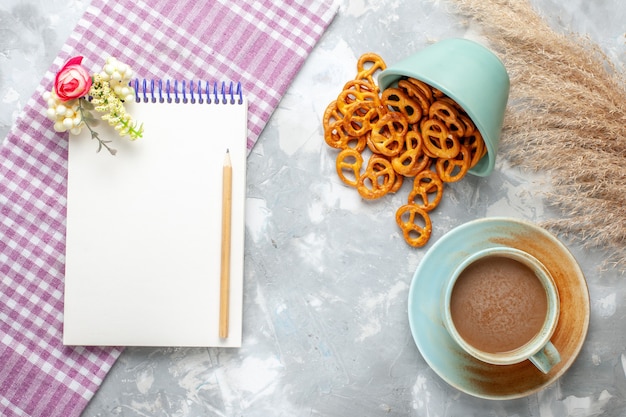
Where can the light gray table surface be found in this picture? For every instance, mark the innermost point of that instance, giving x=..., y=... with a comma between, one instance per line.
x=326, y=274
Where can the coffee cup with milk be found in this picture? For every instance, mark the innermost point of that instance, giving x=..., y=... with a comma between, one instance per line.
x=501, y=306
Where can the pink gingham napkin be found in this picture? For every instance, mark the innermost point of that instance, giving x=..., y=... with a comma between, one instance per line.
x=262, y=44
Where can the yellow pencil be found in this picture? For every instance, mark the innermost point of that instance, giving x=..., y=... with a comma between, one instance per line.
x=227, y=198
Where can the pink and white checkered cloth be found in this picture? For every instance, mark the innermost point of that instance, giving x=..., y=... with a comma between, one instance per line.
x=261, y=43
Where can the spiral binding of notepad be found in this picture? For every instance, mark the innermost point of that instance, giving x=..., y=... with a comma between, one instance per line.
x=175, y=91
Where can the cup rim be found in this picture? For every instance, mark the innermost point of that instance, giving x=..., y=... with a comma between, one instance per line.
x=534, y=345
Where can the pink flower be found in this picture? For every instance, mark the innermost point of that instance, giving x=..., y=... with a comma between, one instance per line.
x=72, y=81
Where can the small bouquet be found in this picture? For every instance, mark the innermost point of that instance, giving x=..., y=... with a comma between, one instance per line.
x=76, y=94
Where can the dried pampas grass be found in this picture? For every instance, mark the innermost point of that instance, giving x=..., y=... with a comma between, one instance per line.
x=567, y=116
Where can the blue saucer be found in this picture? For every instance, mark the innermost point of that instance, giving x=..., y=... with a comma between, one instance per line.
x=453, y=365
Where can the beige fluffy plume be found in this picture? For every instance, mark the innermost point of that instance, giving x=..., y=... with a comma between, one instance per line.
x=566, y=116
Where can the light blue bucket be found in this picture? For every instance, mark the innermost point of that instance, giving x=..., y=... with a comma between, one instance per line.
x=470, y=74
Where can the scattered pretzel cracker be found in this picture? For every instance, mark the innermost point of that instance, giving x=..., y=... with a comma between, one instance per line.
x=409, y=131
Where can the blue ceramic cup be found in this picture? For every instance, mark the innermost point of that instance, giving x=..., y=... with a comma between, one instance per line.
x=503, y=311
x=470, y=74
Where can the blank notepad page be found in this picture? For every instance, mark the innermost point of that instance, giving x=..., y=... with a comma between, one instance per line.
x=144, y=228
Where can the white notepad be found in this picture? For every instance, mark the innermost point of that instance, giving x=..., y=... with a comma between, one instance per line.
x=144, y=229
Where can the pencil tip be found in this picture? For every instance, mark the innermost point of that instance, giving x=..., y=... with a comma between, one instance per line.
x=227, y=150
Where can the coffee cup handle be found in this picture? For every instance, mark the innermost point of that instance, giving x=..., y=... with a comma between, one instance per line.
x=546, y=358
